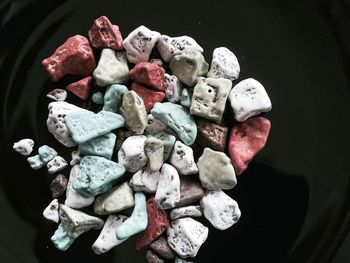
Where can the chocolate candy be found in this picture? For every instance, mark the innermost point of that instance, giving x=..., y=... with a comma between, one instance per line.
x=51, y=211
x=57, y=164
x=154, y=150
x=58, y=185
x=186, y=211
x=132, y=155
x=57, y=95
x=191, y=191
x=145, y=181
x=224, y=64
x=154, y=125
x=113, y=97
x=182, y=159
x=35, y=162
x=162, y=248
x=97, y=98
x=100, y=146
x=47, y=153
x=61, y=239
x=81, y=88
x=211, y=135
x=168, y=140
x=148, y=96
x=24, y=146
x=173, y=88
x=152, y=257
x=149, y=74
x=168, y=190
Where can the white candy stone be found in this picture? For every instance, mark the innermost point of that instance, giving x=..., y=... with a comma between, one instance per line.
x=132, y=154
x=107, y=238
x=75, y=199
x=186, y=235
x=56, y=164
x=145, y=181
x=182, y=159
x=57, y=95
x=249, y=98
x=24, y=146
x=154, y=125
x=220, y=209
x=168, y=190
x=157, y=61
x=173, y=88
x=51, y=211
x=224, y=64
x=154, y=150
x=191, y=211
x=171, y=46
x=76, y=156
x=139, y=44
x=55, y=121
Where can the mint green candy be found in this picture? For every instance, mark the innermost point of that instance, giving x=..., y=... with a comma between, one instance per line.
x=97, y=98
x=36, y=162
x=186, y=97
x=60, y=239
x=47, y=153
x=168, y=140
x=86, y=125
x=180, y=260
x=100, y=146
x=114, y=97
x=96, y=175
x=178, y=118
x=138, y=220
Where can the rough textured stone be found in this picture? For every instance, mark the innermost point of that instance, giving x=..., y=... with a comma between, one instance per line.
x=149, y=74
x=186, y=97
x=76, y=156
x=191, y=211
x=73, y=57
x=35, y=162
x=154, y=150
x=145, y=181
x=211, y=135
x=180, y=260
x=168, y=190
x=152, y=257
x=100, y=146
x=113, y=98
x=173, y=88
x=24, y=146
x=61, y=239
x=57, y=95
x=47, y=153
x=57, y=164
x=149, y=97
x=58, y=185
x=51, y=211
x=162, y=248
x=191, y=191
x=182, y=159
x=224, y=64
x=168, y=140
x=154, y=125
x=81, y=88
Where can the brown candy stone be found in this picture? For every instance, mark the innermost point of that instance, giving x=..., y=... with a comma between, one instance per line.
x=211, y=135
x=162, y=248
x=191, y=191
x=58, y=185
x=152, y=257
x=81, y=88
x=149, y=74
x=73, y=57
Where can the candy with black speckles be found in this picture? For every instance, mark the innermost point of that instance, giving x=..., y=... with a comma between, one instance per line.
x=57, y=164
x=224, y=64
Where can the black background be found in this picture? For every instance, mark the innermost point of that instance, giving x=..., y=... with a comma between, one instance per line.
x=294, y=197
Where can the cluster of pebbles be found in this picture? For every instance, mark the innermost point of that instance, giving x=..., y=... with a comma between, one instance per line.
x=151, y=119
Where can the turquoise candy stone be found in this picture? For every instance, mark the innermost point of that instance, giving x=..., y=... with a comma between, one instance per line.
x=114, y=97
x=97, y=98
x=180, y=260
x=60, y=239
x=186, y=97
x=138, y=221
x=178, y=118
x=35, y=162
x=168, y=140
x=96, y=175
x=47, y=153
x=86, y=125
x=101, y=146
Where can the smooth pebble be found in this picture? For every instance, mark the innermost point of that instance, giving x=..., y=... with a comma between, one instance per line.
x=100, y=146
x=24, y=146
x=51, y=211
x=113, y=98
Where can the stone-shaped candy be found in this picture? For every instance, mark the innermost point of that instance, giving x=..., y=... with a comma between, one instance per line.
x=103, y=34
x=46, y=153
x=58, y=185
x=86, y=125
x=168, y=140
x=171, y=46
x=181, y=260
x=73, y=57
x=112, y=68
x=173, y=88
x=100, y=146
x=132, y=155
x=211, y=135
x=149, y=74
x=56, y=164
x=220, y=209
x=191, y=191
x=154, y=150
x=209, y=98
x=57, y=95
x=249, y=98
x=189, y=66
x=154, y=125
x=113, y=97
x=97, y=98
x=178, y=119
x=76, y=222
x=186, y=97
x=182, y=159
x=139, y=44
x=81, y=88
x=137, y=222
x=149, y=97
x=162, y=248
x=186, y=235
x=134, y=112
x=186, y=211
x=157, y=61
x=117, y=199
x=216, y=170
x=152, y=257
x=24, y=146
x=168, y=190
x=61, y=239
x=246, y=140
x=145, y=181
x=76, y=156
x=158, y=222
x=107, y=238
x=51, y=211
x=224, y=64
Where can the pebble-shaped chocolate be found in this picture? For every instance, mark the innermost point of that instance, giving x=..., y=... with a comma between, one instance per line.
x=152, y=257
x=173, y=88
x=113, y=97
x=181, y=260
x=168, y=140
x=98, y=98
x=134, y=112
x=100, y=146
x=57, y=164
x=224, y=64
x=58, y=185
x=112, y=68
x=171, y=46
x=36, y=162
x=220, y=209
x=209, y=98
x=51, y=211
x=189, y=66
x=186, y=211
x=145, y=181
x=76, y=156
x=24, y=146
x=57, y=95
x=186, y=97
x=61, y=239
x=154, y=150
x=182, y=159
x=211, y=135
x=249, y=98
x=191, y=191
x=154, y=125
x=47, y=153
x=186, y=236
x=168, y=190
x=162, y=248
x=139, y=44
x=132, y=155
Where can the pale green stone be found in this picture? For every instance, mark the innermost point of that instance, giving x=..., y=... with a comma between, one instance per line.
x=97, y=98
x=35, y=162
x=180, y=260
x=100, y=146
x=47, y=153
x=113, y=97
x=186, y=98
x=61, y=239
x=168, y=141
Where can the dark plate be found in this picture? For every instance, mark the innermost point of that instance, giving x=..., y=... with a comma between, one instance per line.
x=294, y=197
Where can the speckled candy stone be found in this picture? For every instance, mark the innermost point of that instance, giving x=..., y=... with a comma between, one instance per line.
x=162, y=248
x=168, y=190
x=61, y=239
x=24, y=146
x=47, y=153
x=148, y=74
x=81, y=88
x=100, y=146
x=152, y=257
x=224, y=64
x=182, y=159
x=168, y=140
x=173, y=88
x=36, y=162
x=149, y=97
x=211, y=135
x=191, y=191
x=58, y=185
x=113, y=97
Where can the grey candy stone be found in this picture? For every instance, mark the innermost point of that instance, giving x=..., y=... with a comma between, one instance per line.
x=152, y=257
x=182, y=159
x=47, y=153
x=186, y=211
x=154, y=125
x=35, y=162
x=57, y=164
x=58, y=185
x=216, y=170
x=117, y=199
x=168, y=140
x=191, y=191
x=24, y=146
x=209, y=98
x=134, y=111
x=173, y=88
x=97, y=98
x=162, y=248
x=57, y=95
x=186, y=97
x=51, y=211
x=100, y=146
x=145, y=181
x=154, y=150
x=113, y=98
x=189, y=66
x=224, y=64
x=168, y=190
x=76, y=156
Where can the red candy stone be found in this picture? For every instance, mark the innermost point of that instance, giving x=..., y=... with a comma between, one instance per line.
x=148, y=96
x=246, y=140
x=149, y=74
x=103, y=34
x=81, y=88
x=158, y=222
x=74, y=57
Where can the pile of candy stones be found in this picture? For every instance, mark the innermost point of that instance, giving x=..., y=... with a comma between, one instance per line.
x=150, y=116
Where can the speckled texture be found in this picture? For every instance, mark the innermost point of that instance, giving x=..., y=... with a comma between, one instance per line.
x=47, y=153
x=182, y=159
x=81, y=88
x=162, y=248
x=148, y=74
x=100, y=146
x=113, y=97
x=61, y=239
x=58, y=185
x=224, y=64
x=149, y=97
x=211, y=135
x=35, y=162
x=168, y=190
x=191, y=191
x=145, y=181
